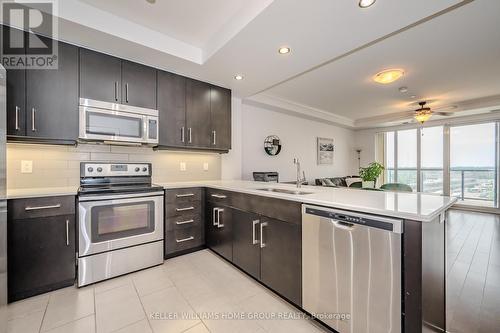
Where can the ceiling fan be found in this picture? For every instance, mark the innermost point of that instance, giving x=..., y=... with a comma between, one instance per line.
x=424, y=113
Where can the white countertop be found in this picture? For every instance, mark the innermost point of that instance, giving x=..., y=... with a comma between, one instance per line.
x=37, y=192
x=414, y=206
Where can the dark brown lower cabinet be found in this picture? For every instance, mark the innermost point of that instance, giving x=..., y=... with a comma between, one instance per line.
x=246, y=241
x=41, y=255
x=281, y=258
x=218, y=233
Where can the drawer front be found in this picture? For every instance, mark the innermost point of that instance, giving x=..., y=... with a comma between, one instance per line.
x=183, y=195
x=183, y=239
x=183, y=221
x=41, y=207
x=183, y=209
x=219, y=197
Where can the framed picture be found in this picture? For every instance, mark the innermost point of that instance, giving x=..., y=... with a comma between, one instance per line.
x=325, y=151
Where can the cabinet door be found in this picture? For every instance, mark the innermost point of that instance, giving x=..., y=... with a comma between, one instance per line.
x=281, y=258
x=138, y=85
x=52, y=97
x=41, y=255
x=246, y=241
x=219, y=230
x=100, y=76
x=220, y=111
x=198, y=114
x=172, y=109
x=16, y=87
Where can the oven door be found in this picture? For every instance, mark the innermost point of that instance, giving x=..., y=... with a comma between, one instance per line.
x=118, y=221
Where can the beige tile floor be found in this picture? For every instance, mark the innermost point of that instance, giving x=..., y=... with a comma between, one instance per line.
x=194, y=289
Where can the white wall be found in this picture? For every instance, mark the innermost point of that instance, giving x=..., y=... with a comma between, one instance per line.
x=231, y=162
x=298, y=137
x=365, y=140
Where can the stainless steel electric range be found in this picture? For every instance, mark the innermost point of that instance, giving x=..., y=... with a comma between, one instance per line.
x=120, y=220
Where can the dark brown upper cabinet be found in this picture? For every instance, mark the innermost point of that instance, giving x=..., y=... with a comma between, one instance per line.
x=42, y=104
x=109, y=79
x=172, y=109
x=138, y=85
x=193, y=114
x=198, y=114
x=100, y=76
x=220, y=115
x=52, y=98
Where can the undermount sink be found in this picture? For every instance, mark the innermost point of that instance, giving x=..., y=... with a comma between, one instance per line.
x=281, y=190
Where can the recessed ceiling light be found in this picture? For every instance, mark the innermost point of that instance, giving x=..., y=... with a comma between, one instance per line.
x=366, y=3
x=284, y=50
x=388, y=76
x=413, y=96
x=403, y=90
x=238, y=77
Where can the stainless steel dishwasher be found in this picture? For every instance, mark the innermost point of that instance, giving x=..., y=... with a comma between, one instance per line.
x=351, y=270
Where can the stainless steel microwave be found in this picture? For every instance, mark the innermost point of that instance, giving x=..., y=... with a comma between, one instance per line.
x=117, y=123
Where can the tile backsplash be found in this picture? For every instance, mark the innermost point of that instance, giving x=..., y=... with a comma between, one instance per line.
x=55, y=166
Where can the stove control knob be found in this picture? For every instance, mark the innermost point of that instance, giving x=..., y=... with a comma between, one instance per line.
x=90, y=169
x=99, y=169
x=137, y=169
x=144, y=169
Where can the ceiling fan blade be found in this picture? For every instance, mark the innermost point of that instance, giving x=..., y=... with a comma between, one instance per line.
x=446, y=108
x=444, y=114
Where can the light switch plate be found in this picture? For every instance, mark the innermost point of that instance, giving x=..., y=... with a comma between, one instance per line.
x=26, y=166
x=182, y=166
x=205, y=166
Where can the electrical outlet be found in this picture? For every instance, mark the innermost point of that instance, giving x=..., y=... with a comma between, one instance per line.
x=205, y=166
x=26, y=166
x=182, y=166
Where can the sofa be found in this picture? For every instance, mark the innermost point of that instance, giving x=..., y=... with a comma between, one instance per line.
x=347, y=181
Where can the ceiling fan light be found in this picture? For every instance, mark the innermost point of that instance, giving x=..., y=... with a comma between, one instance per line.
x=423, y=116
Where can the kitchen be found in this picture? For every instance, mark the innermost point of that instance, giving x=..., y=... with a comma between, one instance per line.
x=130, y=199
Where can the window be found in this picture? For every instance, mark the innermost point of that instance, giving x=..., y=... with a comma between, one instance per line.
x=473, y=164
x=407, y=158
x=431, y=160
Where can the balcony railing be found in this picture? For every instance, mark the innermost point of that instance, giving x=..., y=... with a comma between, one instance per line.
x=468, y=184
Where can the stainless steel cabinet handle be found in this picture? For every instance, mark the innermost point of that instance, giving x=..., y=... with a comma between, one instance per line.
x=184, y=209
x=219, y=196
x=126, y=92
x=183, y=139
x=190, y=140
x=214, y=136
x=254, y=225
x=214, y=217
x=116, y=91
x=262, y=225
x=17, y=118
x=219, y=225
x=184, y=222
x=33, y=126
x=184, y=195
x=184, y=239
x=42, y=207
x=67, y=232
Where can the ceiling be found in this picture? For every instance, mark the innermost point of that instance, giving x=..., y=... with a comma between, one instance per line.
x=190, y=21
x=449, y=59
x=449, y=48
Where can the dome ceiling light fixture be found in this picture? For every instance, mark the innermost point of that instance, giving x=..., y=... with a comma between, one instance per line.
x=366, y=3
x=284, y=50
x=388, y=76
x=238, y=77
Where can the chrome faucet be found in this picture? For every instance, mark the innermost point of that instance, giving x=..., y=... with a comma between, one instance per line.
x=300, y=181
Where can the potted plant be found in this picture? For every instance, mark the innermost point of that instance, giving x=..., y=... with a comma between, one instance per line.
x=370, y=174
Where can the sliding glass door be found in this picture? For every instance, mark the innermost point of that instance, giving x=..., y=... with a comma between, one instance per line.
x=473, y=164
x=458, y=160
